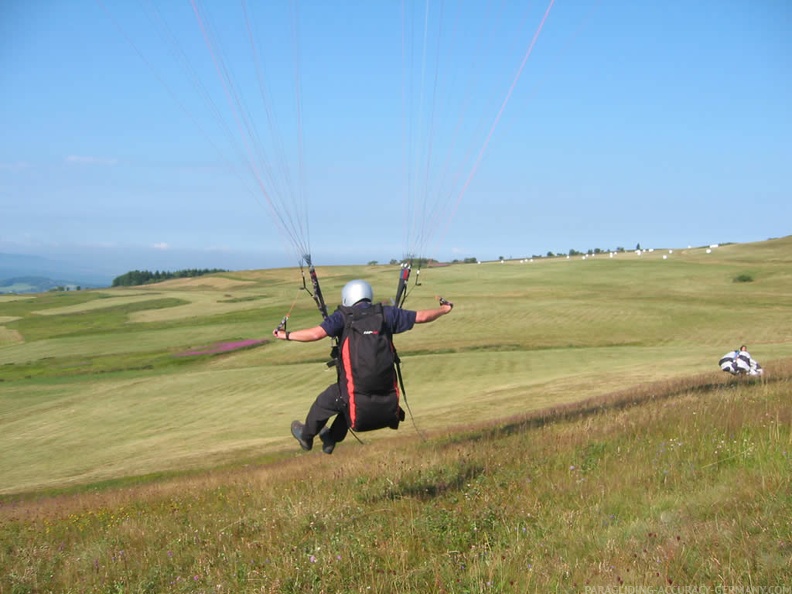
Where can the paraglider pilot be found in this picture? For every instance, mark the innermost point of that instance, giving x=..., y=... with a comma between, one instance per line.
x=366, y=395
x=739, y=362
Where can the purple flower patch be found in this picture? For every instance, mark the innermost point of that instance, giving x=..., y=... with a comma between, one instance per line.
x=223, y=347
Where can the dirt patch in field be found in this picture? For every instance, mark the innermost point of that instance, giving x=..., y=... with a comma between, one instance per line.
x=116, y=300
x=10, y=336
x=212, y=282
x=14, y=297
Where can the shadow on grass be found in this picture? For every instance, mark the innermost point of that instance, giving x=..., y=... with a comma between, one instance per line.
x=421, y=484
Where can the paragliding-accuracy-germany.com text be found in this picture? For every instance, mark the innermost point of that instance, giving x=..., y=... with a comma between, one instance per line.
x=703, y=589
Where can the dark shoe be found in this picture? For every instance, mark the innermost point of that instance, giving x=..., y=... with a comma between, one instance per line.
x=328, y=445
x=297, y=429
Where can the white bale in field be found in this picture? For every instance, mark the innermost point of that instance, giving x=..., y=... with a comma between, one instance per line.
x=709, y=251
x=665, y=257
x=714, y=245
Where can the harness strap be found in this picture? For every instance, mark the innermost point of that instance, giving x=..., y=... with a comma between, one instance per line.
x=397, y=364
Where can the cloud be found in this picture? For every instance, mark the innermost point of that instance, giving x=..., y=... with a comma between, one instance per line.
x=80, y=160
x=161, y=246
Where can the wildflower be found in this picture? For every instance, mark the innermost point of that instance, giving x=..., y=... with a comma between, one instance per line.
x=312, y=559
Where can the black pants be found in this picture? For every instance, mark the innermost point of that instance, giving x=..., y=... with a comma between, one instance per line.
x=328, y=404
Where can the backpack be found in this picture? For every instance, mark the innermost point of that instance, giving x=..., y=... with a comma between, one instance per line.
x=366, y=370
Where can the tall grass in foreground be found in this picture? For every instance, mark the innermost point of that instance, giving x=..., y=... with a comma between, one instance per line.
x=679, y=484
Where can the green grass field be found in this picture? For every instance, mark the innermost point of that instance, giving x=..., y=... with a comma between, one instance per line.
x=591, y=385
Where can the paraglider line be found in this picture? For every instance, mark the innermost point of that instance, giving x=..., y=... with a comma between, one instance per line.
x=484, y=146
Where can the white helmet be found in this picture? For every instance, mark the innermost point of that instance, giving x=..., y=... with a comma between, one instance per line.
x=355, y=291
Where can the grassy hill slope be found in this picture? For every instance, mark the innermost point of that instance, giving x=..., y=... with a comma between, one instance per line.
x=681, y=484
x=93, y=387
x=574, y=431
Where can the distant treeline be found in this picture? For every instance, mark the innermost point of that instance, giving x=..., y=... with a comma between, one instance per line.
x=143, y=277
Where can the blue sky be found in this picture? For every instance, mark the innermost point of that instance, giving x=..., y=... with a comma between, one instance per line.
x=661, y=123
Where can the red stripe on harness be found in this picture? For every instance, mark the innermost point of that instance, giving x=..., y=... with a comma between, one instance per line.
x=350, y=382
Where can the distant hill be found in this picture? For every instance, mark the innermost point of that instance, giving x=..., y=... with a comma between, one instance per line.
x=23, y=265
x=37, y=284
x=18, y=271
